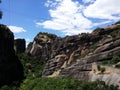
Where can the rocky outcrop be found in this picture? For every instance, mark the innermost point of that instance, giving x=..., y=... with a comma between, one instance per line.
x=42, y=47
x=19, y=45
x=111, y=75
x=107, y=47
x=10, y=67
x=109, y=79
x=55, y=64
x=73, y=56
x=112, y=27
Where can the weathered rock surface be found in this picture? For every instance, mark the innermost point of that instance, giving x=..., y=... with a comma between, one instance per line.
x=19, y=45
x=110, y=76
x=10, y=67
x=42, y=47
x=73, y=56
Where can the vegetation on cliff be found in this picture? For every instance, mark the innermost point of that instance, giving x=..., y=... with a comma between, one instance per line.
x=32, y=68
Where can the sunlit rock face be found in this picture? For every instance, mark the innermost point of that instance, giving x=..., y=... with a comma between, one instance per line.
x=43, y=46
x=10, y=67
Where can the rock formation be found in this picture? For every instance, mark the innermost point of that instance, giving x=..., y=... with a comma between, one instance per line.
x=73, y=56
x=42, y=46
x=10, y=67
x=19, y=45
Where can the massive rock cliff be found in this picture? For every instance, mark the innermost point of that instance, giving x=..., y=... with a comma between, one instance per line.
x=10, y=67
x=80, y=55
x=19, y=45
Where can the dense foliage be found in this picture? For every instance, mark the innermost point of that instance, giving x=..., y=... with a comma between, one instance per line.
x=32, y=67
x=63, y=84
x=60, y=84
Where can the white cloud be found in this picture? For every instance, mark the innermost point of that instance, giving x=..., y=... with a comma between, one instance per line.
x=48, y=3
x=104, y=9
x=52, y=3
x=88, y=1
x=71, y=17
x=67, y=17
x=16, y=29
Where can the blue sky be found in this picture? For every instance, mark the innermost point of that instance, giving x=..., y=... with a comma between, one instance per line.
x=26, y=18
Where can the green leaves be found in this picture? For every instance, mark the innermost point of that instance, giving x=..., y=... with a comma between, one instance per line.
x=32, y=67
x=111, y=61
x=64, y=84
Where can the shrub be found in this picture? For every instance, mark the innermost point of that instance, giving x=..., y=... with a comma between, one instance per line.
x=98, y=67
x=115, y=60
x=111, y=61
x=97, y=29
x=101, y=69
x=93, y=47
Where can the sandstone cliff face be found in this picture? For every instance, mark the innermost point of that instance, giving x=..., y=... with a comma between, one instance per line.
x=10, y=67
x=73, y=56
